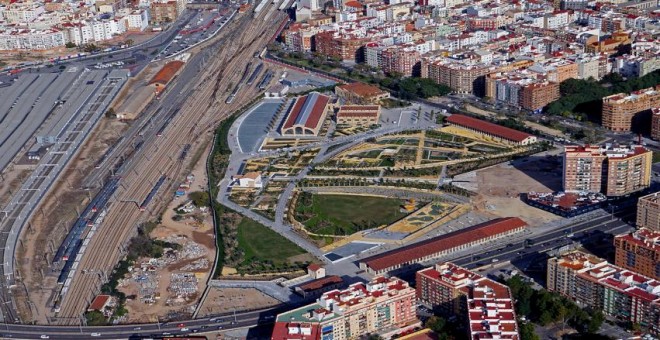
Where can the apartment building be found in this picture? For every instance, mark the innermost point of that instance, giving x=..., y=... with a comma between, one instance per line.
x=342, y=46
x=612, y=170
x=618, y=292
x=655, y=123
x=639, y=251
x=536, y=96
x=648, y=212
x=17, y=39
x=400, y=59
x=621, y=110
x=363, y=308
x=461, y=77
x=483, y=305
x=166, y=10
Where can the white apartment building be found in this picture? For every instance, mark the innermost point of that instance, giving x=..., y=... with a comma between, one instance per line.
x=31, y=39
x=22, y=12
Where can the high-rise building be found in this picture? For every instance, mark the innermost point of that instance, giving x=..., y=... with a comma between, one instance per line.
x=655, y=123
x=618, y=292
x=483, y=305
x=610, y=169
x=363, y=308
x=648, y=212
x=620, y=110
x=639, y=251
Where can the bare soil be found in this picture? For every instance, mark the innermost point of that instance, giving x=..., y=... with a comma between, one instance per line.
x=227, y=300
x=500, y=187
x=200, y=233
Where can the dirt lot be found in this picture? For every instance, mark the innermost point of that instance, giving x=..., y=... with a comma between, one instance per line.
x=187, y=231
x=229, y=299
x=499, y=188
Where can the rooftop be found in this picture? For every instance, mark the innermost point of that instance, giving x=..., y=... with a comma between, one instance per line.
x=99, y=302
x=647, y=238
x=307, y=111
x=358, y=111
x=415, y=252
x=488, y=127
x=321, y=283
x=362, y=89
x=167, y=73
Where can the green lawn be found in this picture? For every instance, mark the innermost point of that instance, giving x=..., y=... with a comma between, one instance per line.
x=656, y=156
x=260, y=243
x=345, y=214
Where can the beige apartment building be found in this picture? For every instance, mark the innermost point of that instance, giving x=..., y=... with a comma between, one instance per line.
x=648, y=212
x=610, y=169
x=363, y=308
x=619, y=110
x=639, y=251
x=655, y=123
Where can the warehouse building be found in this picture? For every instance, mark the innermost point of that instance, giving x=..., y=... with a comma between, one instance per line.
x=307, y=115
x=358, y=115
x=498, y=132
x=404, y=258
x=165, y=75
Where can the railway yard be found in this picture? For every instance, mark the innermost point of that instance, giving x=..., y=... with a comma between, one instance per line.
x=135, y=179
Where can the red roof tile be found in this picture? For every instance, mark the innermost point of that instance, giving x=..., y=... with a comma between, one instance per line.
x=414, y=252
x=99, y=302
x=487, y=127
x=312, y=120
x=321, y=283
x=167, y=72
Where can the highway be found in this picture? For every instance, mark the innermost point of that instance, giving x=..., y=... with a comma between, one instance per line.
x=223, y=322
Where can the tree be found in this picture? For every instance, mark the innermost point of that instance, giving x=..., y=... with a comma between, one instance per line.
x=596, y=321
x=199, y=198
x=70, y=45
x=527, y=331
x=129, y=42
x=95, y=318
x=435, y=323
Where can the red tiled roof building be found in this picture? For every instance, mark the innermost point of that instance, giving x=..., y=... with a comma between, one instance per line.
x=400, y=259
x=492, y=130
x=482, y=304
x=307, y=115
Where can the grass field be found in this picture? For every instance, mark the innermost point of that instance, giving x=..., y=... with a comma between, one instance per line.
x=260, y=243
x=345, y=214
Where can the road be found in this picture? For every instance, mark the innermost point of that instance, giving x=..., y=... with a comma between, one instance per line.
x=224, y=322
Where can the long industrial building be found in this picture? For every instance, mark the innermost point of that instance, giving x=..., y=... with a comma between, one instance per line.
x=495, y=131
x=430, y=249
x=307, y=115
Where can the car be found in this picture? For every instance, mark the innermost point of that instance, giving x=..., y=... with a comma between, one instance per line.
x=44, y=336
x=137, y=328
x=233, y=323
x=219, y=327
x=95, y=334
x=185, y=329
x=181, y=325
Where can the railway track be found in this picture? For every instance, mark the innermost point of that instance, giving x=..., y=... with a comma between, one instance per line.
x=159, y=156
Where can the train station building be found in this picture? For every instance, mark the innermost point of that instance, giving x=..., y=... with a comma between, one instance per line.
x=307, y=115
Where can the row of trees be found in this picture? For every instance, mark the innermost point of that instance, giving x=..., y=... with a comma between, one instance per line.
x=545, y=308
x=585, y=95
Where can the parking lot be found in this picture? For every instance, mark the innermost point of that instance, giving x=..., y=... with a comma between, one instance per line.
x=203, y=25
